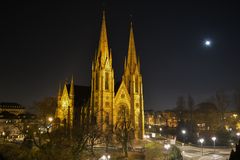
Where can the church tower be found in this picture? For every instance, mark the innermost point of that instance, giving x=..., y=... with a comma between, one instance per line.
x=65, y=108
x=133, y=81
x=110, y=103
x=102, y=82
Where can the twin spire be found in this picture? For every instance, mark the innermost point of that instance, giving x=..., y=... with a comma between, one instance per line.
x=131, y=63
x=103, y=50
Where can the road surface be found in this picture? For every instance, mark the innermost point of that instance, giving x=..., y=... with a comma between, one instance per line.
x=195, y=153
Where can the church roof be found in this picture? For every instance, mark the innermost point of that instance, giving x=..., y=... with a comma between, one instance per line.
x=11, y=105
x=81, y=94
x=116, y=86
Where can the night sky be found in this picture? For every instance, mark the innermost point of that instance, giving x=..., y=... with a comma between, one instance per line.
x=43, y=44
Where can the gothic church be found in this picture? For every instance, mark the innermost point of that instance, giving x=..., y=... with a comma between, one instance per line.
x=106, y=99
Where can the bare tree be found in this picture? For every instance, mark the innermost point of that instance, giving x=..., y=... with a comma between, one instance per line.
x=94, y=133
x=124, y=130
x=190, y=104
x=108, y=136
x=222, y=102
x=180, y=107
x=46, y=106
x=79, y=142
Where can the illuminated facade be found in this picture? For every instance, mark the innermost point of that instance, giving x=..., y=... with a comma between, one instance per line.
x=13, y=108
x=165, y=119
x=108, y=99
x=73, y=109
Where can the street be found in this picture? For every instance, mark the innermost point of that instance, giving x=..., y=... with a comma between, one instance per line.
x=195, y=153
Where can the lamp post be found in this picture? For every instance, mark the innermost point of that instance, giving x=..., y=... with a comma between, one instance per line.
x=3, y=134
x=235, y=115
x=238, y=135
x=201, y=140
x=183, y=133
x=214, y=139
x=50, y=119
x=167, y=146
x=104, y=157
x=49, y=125
x=160, y=130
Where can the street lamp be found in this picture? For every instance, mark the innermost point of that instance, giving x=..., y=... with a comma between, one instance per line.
x=238, y=135
x=49, y=125
x=104, y=157
x=235, y=116
x=214, y=139
x=3, y=134
x=184, y=132
x=50, y=119
x=167, y=146
x=160, y=130
x=201, y=140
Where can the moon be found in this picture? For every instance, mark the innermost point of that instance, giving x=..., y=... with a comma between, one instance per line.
x=207, y=43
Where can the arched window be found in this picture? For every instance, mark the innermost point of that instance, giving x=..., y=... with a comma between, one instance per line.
x=136, y=84
x=106, y=81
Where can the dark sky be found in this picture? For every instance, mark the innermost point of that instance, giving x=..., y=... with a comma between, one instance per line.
x=43, y=44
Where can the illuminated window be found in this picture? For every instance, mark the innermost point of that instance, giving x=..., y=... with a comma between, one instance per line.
x=136, y=85
x=107, y=81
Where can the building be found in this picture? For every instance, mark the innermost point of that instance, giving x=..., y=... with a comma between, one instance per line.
x=150, y=118
x=13, y=108
x=12, y=126
x=109, y=102
x=73, y=104
x=161, y=118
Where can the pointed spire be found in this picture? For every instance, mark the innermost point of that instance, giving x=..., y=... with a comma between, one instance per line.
x=59, y=90
x=131, y=58
x=94, y=62
x=93, y=66
x=103, y=52
x=125, y=63
x=95, y=58
x=65, y=81
x=72, y=88
x=110, y=56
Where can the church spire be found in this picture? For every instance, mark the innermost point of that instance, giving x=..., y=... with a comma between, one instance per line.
x=72, y=88
x=131, y=58
x=103, y=52
x=59, y=90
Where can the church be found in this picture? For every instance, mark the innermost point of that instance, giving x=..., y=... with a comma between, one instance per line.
x=108, y=101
